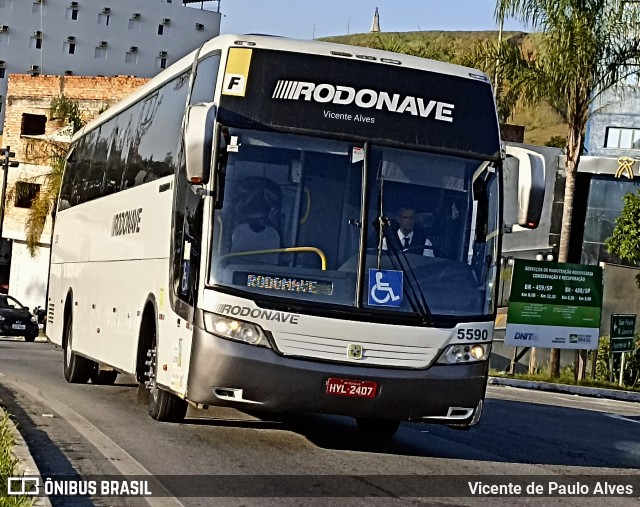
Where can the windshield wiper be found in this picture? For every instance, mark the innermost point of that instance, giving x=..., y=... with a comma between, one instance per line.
x=400, y=262
x=398, y=258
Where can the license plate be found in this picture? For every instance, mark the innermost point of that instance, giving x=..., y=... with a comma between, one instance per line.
x=355, y=388
x=17, y=326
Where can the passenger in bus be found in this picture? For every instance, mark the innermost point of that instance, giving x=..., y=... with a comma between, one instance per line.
x=256, y=235
x=409, y=236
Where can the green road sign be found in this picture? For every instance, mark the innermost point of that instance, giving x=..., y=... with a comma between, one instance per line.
x=554, y=305
x=623, y=328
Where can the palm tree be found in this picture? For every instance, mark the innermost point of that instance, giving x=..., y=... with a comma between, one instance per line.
x=51, y=154
x=586, y=48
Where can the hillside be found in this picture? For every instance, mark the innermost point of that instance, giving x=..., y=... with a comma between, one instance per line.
x=541, y=122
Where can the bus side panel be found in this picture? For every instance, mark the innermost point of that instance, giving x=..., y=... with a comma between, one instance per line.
x=55, y=305
x=113, y=253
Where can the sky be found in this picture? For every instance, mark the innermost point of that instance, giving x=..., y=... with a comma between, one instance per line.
x=304, y=19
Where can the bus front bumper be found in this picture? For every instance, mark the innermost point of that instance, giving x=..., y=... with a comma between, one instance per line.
x=234, y=374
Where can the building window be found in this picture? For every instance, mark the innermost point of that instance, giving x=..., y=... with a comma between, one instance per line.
x=5, y=3
x=33, y=124
x=72, y=13
x=103, y=19
x=160, y=29
x=131, y=57
x=100, y=53
x=25, y=193
x=134, y=24
x=72, y=48
x=161, y=62
x=624, y=138
x=2, y=71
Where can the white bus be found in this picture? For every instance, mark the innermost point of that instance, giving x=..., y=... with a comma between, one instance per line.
x=228, y=235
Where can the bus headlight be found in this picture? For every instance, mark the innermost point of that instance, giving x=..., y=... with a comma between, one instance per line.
x=235, y=329
x=465, y=353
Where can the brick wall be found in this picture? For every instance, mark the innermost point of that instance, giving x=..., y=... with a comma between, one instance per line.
x=33, y=95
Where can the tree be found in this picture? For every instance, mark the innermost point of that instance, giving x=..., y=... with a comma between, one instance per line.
x=625, y=239
x=586, y=47
x=52, y=154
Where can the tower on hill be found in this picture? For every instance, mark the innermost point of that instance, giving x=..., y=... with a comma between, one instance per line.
x=375, y=26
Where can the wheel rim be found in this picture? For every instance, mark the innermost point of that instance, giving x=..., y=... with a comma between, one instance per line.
x=151, y=374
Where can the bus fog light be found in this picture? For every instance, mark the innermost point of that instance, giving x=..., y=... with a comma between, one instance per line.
x=464, y=353
x=235, y=329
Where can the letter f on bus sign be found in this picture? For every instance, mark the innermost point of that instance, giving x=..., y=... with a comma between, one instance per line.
x=234, y=84
x=236, y=72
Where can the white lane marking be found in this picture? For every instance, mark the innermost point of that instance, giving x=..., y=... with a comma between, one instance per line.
x=117, y=456
x=617, y=416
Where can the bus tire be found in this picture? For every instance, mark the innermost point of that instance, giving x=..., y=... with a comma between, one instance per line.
x=380, y=429
x=77, y=369
x=163, y=405
x=166, y=407
x=104, y=377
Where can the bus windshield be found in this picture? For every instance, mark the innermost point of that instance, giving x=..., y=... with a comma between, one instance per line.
x=296, y=212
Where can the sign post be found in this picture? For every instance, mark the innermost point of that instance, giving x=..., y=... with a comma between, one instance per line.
x=623, y=329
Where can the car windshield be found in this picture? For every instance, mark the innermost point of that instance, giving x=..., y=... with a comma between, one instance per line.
x=295, y=222
x=7, y=302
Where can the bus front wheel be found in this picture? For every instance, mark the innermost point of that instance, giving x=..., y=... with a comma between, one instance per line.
x=382, y=429
x=163, y=405
x=77, y=369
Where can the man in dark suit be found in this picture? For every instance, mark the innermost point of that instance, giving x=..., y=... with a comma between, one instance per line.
x=409, y=236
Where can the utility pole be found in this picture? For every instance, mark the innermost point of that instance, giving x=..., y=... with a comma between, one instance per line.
x=5, y=160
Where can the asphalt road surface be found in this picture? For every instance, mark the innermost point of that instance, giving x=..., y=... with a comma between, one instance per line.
x=228, y=457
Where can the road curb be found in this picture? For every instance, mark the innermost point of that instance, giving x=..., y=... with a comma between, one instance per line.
x=27, y=465
x=595, y=392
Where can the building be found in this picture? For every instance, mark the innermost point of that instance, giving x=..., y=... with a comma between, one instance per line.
x=98, y=37
x=29, y=100
x=609, y=169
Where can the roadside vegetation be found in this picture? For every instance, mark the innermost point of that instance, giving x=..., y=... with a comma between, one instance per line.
x=602, y=375
x=9, y=466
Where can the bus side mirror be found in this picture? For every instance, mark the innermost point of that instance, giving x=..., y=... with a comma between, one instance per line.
x=523, y=187
x=198, y=140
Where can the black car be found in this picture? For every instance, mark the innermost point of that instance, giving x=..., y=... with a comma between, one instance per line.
x=16, y=320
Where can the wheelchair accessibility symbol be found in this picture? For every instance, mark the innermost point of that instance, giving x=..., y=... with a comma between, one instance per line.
x=385, y=287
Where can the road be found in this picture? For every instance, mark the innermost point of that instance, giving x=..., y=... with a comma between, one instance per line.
x=96, y=430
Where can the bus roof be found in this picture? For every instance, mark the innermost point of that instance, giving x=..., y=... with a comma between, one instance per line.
x=333, y=50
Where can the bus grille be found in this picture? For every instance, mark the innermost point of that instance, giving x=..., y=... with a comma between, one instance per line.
x=337, y=349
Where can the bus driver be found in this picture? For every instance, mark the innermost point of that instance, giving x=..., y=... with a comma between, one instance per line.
x=409, y=236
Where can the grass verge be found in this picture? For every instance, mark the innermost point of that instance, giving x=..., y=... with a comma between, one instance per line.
x=9, y=466
x=566, y=377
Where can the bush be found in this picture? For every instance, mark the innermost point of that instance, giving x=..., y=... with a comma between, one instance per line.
x=9, y=465
x=631, y=374
x=557, y=142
